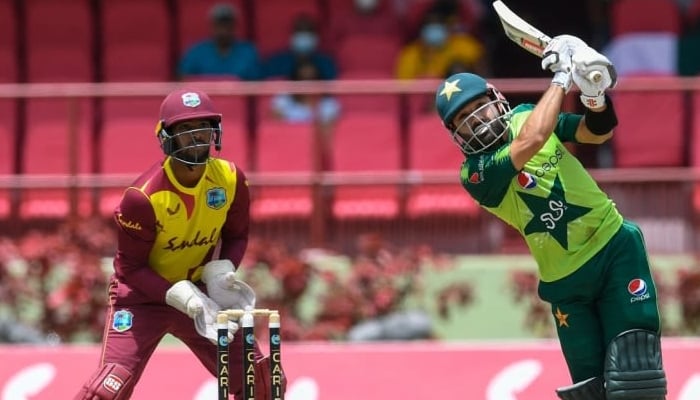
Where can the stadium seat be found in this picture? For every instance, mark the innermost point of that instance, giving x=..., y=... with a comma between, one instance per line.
x=366, y=141
x=273, y=22
x=59, y=48
x=650, y=132
x=58, y=134
x=8, y=42
x=57, y=141
x=629, y=16
x=59, y=41
x=353, y=61
x=432, y=151
x=8, y=74
x=7, y=150
x=282, y=148
x=193, y=25
x=136, y=41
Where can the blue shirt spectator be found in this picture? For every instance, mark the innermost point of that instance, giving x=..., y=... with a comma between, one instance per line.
x=303, y=47
x=223, y=54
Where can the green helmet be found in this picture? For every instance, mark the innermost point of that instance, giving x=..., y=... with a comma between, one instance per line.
x=456, y=91
x=485, y=128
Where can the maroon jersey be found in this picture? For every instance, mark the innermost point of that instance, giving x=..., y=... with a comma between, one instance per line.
x=167, y=232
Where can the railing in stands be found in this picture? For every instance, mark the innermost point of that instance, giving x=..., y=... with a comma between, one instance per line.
x=662, y=198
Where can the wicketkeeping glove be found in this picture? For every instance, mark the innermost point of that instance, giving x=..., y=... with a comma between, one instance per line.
x=224, y=288
x=205, y=324
x=186, y=297
x=588, y=62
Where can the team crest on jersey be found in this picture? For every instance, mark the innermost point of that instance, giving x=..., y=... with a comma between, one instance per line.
x=216, y=198
x=190, y=99
x=122, y=321
x=476, y=178
x=638, y=289
x=526, y=181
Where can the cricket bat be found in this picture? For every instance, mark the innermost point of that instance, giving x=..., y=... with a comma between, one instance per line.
x=527, y=36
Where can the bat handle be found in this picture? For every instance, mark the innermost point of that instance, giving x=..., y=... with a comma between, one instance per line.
x=595, y=76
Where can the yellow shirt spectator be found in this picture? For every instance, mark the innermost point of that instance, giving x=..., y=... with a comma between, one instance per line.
x=436, y=53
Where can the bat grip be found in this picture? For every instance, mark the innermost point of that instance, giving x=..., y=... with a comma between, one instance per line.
x=595, y=76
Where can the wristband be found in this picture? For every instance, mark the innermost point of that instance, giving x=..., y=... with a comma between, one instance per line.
x=593, y=101
x=601, y=122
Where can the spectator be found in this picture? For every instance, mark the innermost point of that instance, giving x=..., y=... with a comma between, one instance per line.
x=223, y=54
x=303, y=46
x=437, y=50
x=305, y=107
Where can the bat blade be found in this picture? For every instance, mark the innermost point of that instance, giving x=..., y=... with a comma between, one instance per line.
x=520, y=31
x=527, y=36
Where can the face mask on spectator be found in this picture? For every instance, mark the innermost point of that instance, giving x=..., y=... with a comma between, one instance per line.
x=366, y=5
x=434, y=34
x=304, y=42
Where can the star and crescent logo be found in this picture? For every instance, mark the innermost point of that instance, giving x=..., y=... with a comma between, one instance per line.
x=552, y=214
x=450, y=88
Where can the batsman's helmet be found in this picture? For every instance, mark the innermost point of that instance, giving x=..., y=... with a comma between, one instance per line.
x=184, y=105
x=481, y=130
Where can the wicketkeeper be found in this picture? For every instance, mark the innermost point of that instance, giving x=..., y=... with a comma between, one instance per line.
x=593, y=265
x=182, y=230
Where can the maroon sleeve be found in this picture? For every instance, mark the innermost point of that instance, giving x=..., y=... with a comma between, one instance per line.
x=136, y=223
x=234, y=234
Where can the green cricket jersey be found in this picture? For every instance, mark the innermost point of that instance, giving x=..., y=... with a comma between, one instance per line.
x=553, y=202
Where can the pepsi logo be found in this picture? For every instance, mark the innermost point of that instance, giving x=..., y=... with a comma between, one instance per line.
x=526, y=181
x=637, y=287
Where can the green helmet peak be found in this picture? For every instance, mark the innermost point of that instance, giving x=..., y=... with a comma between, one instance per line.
x=456, y=91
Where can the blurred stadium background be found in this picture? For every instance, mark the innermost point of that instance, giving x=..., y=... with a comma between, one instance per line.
x=349, y=226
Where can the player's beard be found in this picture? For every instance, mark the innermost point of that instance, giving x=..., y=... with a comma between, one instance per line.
x=490, y=136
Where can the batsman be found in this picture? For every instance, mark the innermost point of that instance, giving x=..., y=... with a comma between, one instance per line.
x=592, y=262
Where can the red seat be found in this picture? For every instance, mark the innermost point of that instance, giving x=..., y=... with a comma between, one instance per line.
x=57, y=141
x=367, y=142
x=53, y=203
x=59, y=41
x=8, y=42
x=353, y=61
x=431, y=150
x=650, y=130
x=58, y=136
x=8, y=74
x=193, y=24
x=628, y=16
x=136, y=41
x=273, y=22
x=283, y=149
x=345, y=20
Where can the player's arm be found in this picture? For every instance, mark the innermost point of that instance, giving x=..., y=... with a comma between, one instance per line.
x=234, y=233
x=599, y=119
x=136, y=223
x=538, y=126
x=541, y=122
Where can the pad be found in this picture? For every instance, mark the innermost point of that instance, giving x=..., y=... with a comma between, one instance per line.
x=111, y=382
x=633, y=367
x=590, y=389
x=262, y=380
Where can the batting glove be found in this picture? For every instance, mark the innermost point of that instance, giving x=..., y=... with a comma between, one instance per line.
x=589, y=64
x=557, y=55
